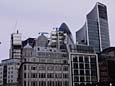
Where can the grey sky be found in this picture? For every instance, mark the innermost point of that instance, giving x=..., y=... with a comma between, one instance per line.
x=34, y=16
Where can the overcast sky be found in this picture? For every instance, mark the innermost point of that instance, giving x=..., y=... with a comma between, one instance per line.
x=35, y=16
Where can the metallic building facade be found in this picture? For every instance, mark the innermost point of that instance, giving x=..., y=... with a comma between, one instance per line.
x=95, y=30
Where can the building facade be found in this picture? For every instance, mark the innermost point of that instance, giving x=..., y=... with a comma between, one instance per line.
x=9, y=72
x=9, y=67
x=84, y=66
x=46, y=63
x=106, y=66
x=16, y=44
x=95, y=31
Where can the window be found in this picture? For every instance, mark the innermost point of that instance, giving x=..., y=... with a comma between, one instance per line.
x=24, y=67
x=86, y=66
x=75, y=59
x=93, y=78
x=58, y=83
x=80, y=59
x=93, y=66
x=50, y=83
x=24, y=83
x=81, y=66
x=65, y=83
x=33, y=68
x=86, y=59
x=58, y=68
x=50, y=67
x=34, y=83
x=50, y=75
x=65, y=75
x=42, y=67
x=81, y=72
x=76, y=79
x=42, y=83
x=75, y=72
x=93, y=59
x=87, y=78
x=81, y=79
x=24, y=75
x=93, y=72
x=87, y=72
x=11, y=76
x=65, y=68
x=58, y=75
x=34, y=75
x=65, y=61
x=42, y=75
x=75, y=65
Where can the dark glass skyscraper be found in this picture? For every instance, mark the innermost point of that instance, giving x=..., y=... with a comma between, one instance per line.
x=95, y=32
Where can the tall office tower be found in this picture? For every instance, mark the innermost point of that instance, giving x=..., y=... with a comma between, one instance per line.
x=16, y=43
x=95, y=31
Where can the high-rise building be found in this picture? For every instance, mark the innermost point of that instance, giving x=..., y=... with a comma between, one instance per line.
x=16, y=44
x=9, y=67
x=95, y=31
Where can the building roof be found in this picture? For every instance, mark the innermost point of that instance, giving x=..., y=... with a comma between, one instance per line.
x=27, y=46
x=110, y=49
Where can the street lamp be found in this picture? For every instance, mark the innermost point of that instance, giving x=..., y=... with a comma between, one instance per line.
x=110, y=84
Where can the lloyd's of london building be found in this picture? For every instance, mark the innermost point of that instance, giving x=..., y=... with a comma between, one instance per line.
x=57, y=60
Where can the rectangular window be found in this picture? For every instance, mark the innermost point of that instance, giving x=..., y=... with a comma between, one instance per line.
x=24, y=75
x=24, y=83
x=65, y=68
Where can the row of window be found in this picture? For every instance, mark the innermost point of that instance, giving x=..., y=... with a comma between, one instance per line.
x=46, y=83
x=86, y=66
x=51, y=68
x=85, y=59
x=85, y=78
x=85, y=72
x=49, y=60
x=44, y=75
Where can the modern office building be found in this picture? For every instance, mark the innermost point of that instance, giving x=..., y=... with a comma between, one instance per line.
x=84, y=66
x=16, y=44
x=95, y=31
x=9, y=67
x=9, y=72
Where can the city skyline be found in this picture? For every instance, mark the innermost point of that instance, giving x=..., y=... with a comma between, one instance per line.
x=43, y=16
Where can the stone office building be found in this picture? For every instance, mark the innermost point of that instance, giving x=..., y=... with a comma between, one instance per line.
x=44, y=65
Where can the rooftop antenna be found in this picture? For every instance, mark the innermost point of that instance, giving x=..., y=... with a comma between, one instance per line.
x=17, y=31
x=15, y=26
